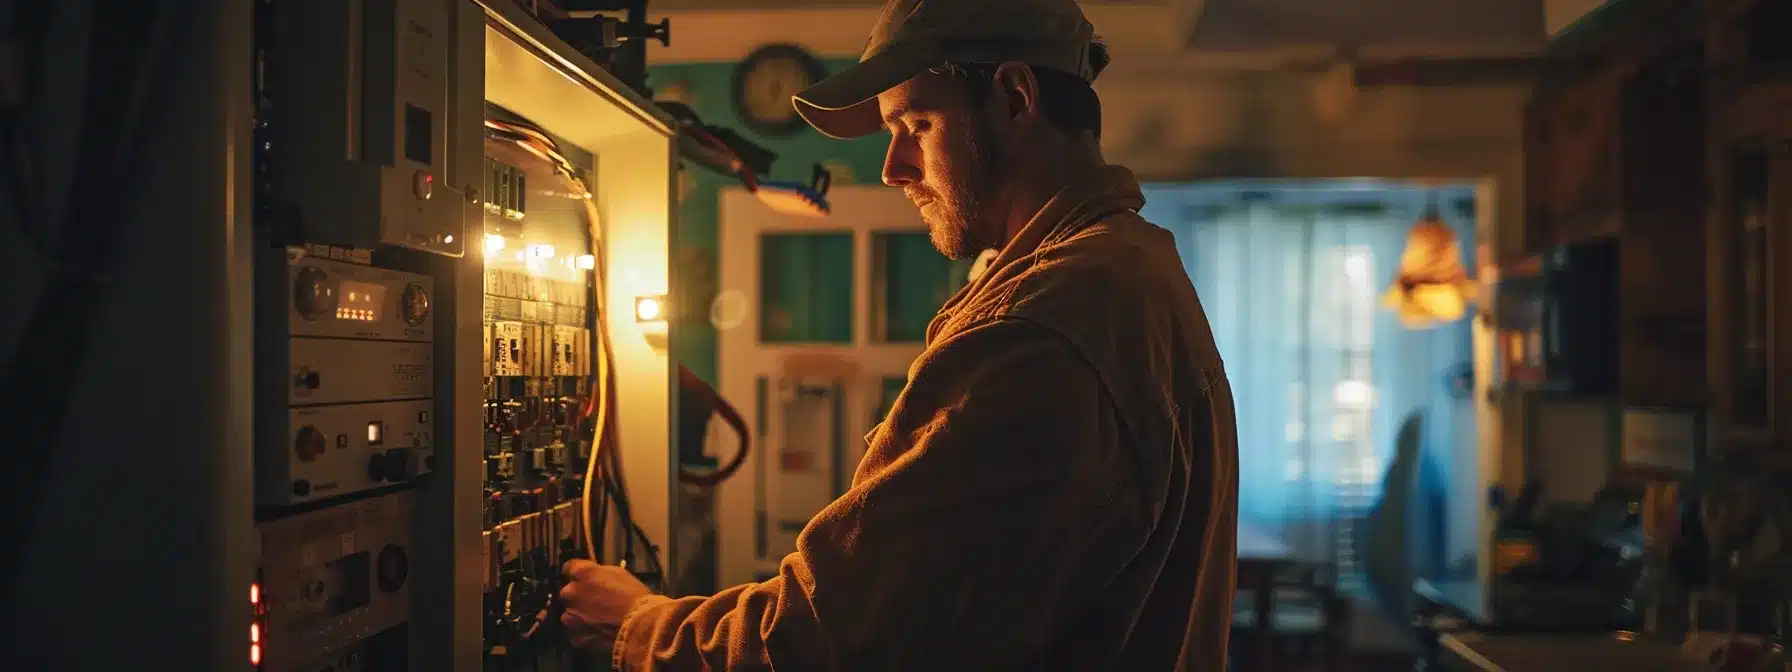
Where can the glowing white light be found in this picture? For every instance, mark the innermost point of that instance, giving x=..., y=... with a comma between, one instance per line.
x=647, y=309
x=1354, y=394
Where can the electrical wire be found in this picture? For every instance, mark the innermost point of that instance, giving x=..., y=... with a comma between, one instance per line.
x=731, y=416
x=600, y=395
x=597, y=407
x=615, y=484
x=606, y=451
x=603, y=467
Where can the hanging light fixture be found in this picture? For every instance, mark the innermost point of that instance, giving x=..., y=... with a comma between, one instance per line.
x=1432, y=286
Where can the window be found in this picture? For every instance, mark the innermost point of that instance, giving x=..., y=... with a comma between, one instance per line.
x=805, y=288
x=912, y=281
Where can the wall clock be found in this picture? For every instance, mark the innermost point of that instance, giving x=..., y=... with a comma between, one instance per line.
x=765, y=81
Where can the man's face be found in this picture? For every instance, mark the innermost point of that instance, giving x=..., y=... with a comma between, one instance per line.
x=943, y=154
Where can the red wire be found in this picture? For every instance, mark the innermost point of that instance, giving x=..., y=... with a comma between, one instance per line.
x=735, y=163
x=731, y=416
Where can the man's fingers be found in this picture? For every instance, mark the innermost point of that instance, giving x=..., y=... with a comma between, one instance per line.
x=574, y=622
x=569, y=594
x=576, y=568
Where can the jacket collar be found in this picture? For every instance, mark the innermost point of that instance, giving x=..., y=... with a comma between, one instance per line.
x=1078, y=204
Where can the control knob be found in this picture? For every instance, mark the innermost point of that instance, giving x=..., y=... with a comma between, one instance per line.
x=397, y=465
x=308, y=444
x=312, y=293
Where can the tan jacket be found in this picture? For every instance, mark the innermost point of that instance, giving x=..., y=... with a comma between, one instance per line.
x=1056, y=488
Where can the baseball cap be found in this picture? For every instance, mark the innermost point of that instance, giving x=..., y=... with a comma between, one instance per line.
x=913, y=36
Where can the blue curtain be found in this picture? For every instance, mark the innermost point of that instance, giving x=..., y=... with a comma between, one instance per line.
x=1292, y=279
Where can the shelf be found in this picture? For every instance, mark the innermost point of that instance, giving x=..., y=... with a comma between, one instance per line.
x=1545, y=393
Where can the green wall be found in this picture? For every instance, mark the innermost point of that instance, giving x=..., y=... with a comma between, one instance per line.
x=705, y=87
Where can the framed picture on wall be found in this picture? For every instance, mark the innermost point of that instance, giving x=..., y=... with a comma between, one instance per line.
x=1662, y=439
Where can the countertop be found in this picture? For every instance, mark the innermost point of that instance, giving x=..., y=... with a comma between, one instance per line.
x=1555, y=653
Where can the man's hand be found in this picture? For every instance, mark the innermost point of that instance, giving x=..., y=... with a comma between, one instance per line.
x=595, y=599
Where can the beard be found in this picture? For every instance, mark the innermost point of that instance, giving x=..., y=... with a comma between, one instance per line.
x=958, y=221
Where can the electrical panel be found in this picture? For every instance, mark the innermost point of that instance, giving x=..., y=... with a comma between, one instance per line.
x=333, y=589
x=544, y=396
x=367, y=120
x=360, y=118
x=353, y=351
x=346, y=372
x=365, y=279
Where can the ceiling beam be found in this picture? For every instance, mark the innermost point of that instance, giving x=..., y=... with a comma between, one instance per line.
x=1248, y=25
x=1135, y=31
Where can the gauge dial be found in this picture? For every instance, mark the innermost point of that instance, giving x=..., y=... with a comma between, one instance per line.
x=416, y=304
x=313, y=294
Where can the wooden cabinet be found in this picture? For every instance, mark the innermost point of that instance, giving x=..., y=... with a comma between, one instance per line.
x=1672, y=130
x=1582, y=195
x=1750, y=286
x=1615, y=147
x=1750, y=226
x=1571, y=151
x=1587, y=114
x=1662, y=204
x=1746, y=40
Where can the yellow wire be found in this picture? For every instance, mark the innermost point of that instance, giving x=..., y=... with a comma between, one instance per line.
x=601, y=382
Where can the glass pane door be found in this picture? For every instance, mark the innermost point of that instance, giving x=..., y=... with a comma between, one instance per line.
x=836, y=312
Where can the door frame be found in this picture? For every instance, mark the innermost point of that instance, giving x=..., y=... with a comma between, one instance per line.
x=742, y=359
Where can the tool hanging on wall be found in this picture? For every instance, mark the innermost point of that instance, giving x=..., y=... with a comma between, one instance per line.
x=727, y=152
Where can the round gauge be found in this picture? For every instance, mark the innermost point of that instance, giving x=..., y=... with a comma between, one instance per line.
x=765, y=82
x=313, y=294
x=309, y=443
x=416, y=304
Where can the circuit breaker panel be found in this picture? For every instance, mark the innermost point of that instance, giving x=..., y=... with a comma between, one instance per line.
x=414, y=175
x=545, y=396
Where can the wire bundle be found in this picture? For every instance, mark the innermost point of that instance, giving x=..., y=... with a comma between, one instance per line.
x=603, y=470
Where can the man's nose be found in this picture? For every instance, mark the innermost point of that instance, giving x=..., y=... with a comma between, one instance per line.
x=898, y=170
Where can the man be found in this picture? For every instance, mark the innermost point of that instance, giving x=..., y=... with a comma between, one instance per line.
x=1056, y=488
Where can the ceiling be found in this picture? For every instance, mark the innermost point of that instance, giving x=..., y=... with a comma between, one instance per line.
x=1414, y=27
x=1420, y=25
x=742, y=5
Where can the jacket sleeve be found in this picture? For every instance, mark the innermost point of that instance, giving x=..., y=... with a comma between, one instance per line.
x=991, y=506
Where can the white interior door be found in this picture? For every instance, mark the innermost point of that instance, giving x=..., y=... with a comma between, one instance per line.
x=809, y=404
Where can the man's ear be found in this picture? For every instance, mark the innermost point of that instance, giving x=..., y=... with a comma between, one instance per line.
x=1017, y=92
